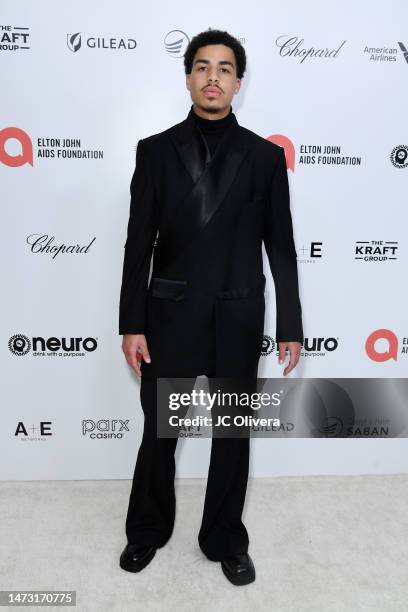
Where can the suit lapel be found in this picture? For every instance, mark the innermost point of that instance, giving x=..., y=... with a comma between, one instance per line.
x=212, y=180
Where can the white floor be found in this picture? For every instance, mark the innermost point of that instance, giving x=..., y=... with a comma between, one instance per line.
x=319, y=544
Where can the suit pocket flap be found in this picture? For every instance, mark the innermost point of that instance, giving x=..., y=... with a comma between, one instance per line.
x=167, y=288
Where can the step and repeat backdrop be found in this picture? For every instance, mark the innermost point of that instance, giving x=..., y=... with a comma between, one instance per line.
x=81, y=83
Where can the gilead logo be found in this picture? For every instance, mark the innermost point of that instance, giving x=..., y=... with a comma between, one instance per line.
x=26, y=156
x=287, y=145
x=382, y=334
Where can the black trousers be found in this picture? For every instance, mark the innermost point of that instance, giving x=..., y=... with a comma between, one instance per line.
x=152, y=504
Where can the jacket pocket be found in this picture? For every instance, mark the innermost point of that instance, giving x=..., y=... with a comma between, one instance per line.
x=166, y=288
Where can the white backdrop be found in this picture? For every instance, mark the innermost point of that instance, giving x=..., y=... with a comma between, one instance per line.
x=98, y=76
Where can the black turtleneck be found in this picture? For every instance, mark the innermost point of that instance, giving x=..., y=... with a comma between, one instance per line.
x=212, y=129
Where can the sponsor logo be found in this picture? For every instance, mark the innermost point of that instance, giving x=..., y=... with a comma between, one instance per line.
x=14, y=38
x=375, y=250
x=77, y=41
x=20, y=345
x=294, y=47
x=42, y=243
x=104, y=429
x=175, y=43
x=48, y=148
x=399, y=156
x=33, y=433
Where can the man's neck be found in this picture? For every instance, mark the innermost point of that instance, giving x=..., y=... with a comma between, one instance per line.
x=211, y=116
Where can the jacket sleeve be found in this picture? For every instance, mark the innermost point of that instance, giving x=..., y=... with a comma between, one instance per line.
x=141, y=234
x=282, y=256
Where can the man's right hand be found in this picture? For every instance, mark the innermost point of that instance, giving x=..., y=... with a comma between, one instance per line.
x=135, y=349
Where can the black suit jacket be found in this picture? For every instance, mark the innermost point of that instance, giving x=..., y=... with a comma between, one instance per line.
x=204, y=221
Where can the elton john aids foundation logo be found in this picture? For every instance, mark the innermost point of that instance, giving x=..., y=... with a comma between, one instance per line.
x=25, y=153
x=377, y=353
x=288, y=146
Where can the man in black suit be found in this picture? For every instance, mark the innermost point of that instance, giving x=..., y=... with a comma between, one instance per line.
x=205, y=194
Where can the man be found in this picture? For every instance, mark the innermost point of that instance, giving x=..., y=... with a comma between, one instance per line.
x=212, y=191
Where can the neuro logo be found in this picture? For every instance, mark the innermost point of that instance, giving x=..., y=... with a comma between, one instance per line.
x=399, y=156
x=26, y=155
x=287, y=145
x=74, y=42
x=175, y=43
x=268, y=345
x=404, y=51
x=19, y=344
x=389, y=353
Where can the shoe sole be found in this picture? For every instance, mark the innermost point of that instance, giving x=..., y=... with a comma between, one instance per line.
x=239, y=579
x=136, y=566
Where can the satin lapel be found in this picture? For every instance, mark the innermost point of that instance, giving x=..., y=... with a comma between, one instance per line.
x=212, y=181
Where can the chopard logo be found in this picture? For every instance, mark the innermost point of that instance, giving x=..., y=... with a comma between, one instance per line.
x=292, y=46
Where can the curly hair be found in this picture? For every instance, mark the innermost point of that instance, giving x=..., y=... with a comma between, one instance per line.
x=215, y=37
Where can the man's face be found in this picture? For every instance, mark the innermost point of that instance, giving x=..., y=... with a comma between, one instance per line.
x=213, y=80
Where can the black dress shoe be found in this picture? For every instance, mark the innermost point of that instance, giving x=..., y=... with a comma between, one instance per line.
x=134, y=557
x=239, y=568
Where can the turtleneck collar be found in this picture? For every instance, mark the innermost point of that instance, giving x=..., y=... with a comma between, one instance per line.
x=212, y=125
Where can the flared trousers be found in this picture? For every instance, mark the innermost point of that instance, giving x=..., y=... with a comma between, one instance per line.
x=152, y=503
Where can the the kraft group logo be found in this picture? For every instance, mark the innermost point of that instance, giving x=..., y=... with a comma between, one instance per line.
x=175, y=43
x=26, y=147
x=376, y=250
x=391, y=350
x=14, y=38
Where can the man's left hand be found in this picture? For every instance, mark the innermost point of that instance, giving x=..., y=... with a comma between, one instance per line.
x=294, y=349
